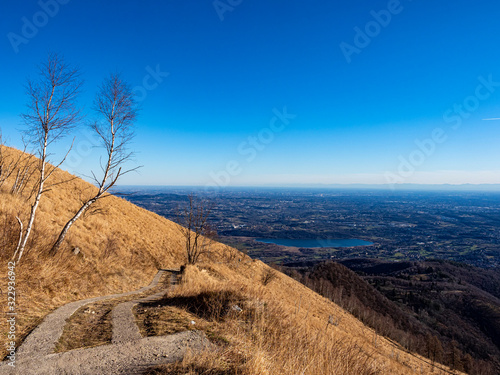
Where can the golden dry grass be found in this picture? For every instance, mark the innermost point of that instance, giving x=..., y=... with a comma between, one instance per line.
x=282, y=329
x=90, y=326
x=164, y=320
x=123, y=247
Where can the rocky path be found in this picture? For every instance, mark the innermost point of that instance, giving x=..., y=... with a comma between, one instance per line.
x=129, y=352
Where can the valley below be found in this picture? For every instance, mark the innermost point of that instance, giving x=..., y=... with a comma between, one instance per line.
x=418, y=267
x=400, y=225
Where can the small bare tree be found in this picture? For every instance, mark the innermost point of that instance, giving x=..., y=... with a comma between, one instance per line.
x=7, y=165
x=194, y=226
x=23, y=165
x=117, y=112
x=51, y=113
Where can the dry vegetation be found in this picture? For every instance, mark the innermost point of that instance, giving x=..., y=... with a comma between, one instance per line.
x=275, y=332
x=157, y=320
x=88, y=327
x=283, y=328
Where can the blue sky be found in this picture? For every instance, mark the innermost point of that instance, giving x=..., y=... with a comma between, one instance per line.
x=262, y=92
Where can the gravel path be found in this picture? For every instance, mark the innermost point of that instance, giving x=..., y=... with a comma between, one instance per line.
x=42, y=340
x=124, y=327
x=129, y=353
x=128, y=358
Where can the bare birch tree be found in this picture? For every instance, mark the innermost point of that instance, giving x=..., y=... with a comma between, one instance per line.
x=52, y=111
x=194, y=226
x=117, y=112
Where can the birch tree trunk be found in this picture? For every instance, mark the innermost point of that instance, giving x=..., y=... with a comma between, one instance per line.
x=34, y=206
x=68, y=225
x=51, y=114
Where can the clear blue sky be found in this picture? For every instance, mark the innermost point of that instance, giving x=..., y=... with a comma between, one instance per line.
x=278, y=92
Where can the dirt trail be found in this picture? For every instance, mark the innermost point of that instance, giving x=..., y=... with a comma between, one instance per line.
x=43, y=339
x=129, y=353
x=126, y=358
x=124, y=327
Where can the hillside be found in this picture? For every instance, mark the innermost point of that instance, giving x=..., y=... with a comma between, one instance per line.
x=458, y=303
x=418, y=304
x=285, y=328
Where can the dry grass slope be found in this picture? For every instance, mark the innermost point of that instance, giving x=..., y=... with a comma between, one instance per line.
x=122, y=247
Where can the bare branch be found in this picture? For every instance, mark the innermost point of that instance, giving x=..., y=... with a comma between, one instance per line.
x=49, y=173
x=51, y=113
x=9, y=164
x=116, y=110
x=194, y=226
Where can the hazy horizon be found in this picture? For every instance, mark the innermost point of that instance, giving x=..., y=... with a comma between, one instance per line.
x=398, y=187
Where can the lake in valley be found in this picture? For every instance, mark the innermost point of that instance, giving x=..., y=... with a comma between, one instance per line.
x=315, y=243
